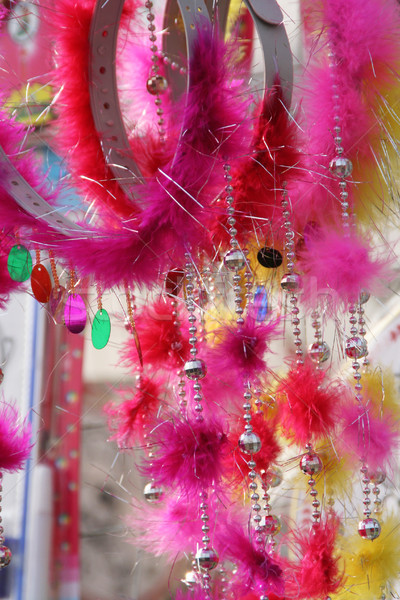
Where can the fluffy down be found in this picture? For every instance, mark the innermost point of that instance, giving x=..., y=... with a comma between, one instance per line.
x=189, y=454
x=319, y=573
x=171, y=529
x=162, y=343
x=256, y=570
x=375, y=438
x=15, y=439
x=307, y=404
x=241, y=351
x=338, y=268
x=129, y=420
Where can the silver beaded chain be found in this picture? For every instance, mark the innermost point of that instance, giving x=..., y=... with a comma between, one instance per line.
x=156, y=84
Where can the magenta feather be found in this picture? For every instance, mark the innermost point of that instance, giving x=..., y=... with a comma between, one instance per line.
x=170, y=529
x=7, y=285
x=240, y=352
x=369, y=436
x=189, y=454
x=338, y=268
x=256, y=570
x=15, y=439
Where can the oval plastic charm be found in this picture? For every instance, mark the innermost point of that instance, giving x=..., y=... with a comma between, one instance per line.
x=101, y=329
x=41, y=283
x=57, y=303
x=75, y=313
x=19, y=263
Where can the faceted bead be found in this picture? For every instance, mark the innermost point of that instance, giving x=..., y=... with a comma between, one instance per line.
x=364, y=296
x=356, y=347
x=377, y=477
x=260, y=303
x=101, y=329
x=5, y=556
x=269, y=258
x=75, y=313
x=19, y=263
x=272, y=477
x=249, y=442
x=369, y=529
x=41, y=283
x=157, y=85
x=58, y=296
x=174, y=281
x=153, y=492
x=319, y=352
x=291, y=282
x=235, y=260
x=272, y=525
x=207, y=558
x=195, y=369
x=341, y=167
x=311, y=464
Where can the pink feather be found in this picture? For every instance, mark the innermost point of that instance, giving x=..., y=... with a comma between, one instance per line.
x=7, y=285
x=189, y=455
x=15, y=439
x=162, y=343
x=338, y=268
x=171, y=529
x=308, y=405
x=256, y=570
x=318, y=573
x=369, y=436
x=129, y=420
x=240, y=352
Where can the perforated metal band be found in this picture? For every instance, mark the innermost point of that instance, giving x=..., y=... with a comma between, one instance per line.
x=104, y=94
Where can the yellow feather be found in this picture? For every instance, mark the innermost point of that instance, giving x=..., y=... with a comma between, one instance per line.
x=370, y=565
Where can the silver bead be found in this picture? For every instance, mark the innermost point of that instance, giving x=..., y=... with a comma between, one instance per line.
x=291, y=282
x=272, y=525
x=311, y=464
x=190, y=579
x=235, y=260
x=378, y=476
x=195, y=369
x=369, y=529
x=364, y=296
x=156, y=85
x=249, y=443
x=341, y=167
x=5, y=556
x=153, y=492
x=319, y=352
x=356, y=347
x=207, y=558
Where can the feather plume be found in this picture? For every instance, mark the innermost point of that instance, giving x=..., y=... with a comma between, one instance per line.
x=129, y=420
x=375, y=438
x=241, y=351
x=190, y=454
x=258, y=179
x=256, y=569
x=171, y=529
x=338, y=268
x=318, y=573
x=307, y=404
x=15, y=439
x=162, y=343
